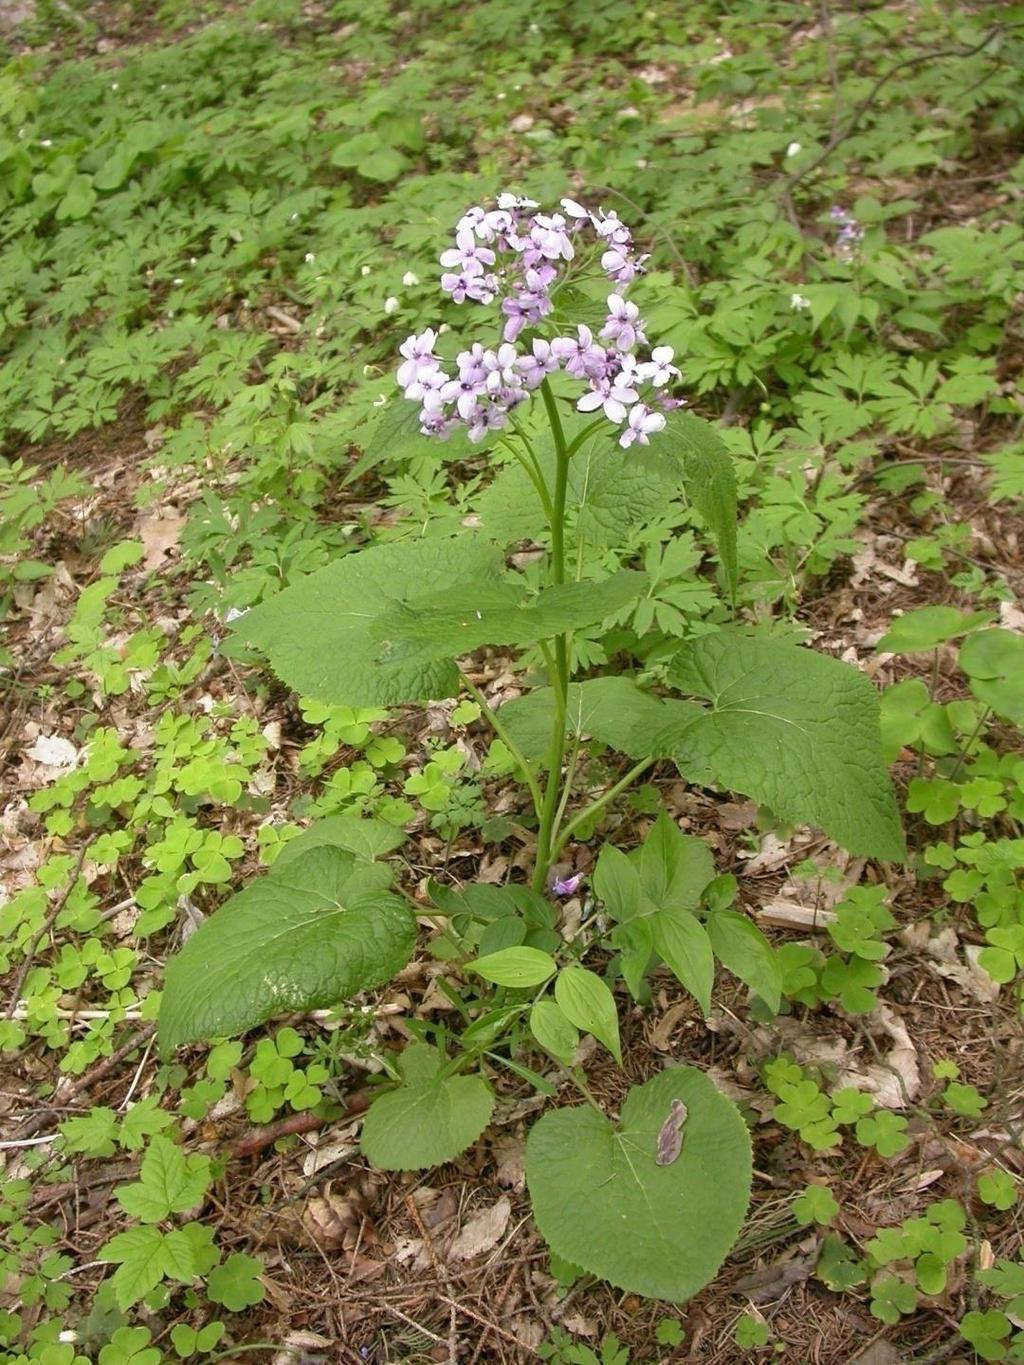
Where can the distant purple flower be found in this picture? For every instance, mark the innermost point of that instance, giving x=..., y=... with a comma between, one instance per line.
x=567, y=886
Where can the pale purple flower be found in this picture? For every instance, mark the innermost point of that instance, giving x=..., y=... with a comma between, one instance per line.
x=612, y=395
x=518, y=256
x=427, y=382
x=567, y=886
x=624, y=327
x=544, y=361
x=499, y=367
x=582, y=357
x=419, y=355
x=465, y=393
x=466, y=255
x=487, y=417
x=610, y=228
x=659, y=370
x=643, y=422
x=526, y=309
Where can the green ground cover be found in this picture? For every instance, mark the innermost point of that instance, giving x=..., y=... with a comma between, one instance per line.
x=217, y=224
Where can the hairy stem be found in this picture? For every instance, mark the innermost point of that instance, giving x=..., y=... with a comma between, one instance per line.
x=560, y=681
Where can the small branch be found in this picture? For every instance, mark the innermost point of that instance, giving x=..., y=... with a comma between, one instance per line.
x=840, y=135
x=589, y=811
x=499, y=729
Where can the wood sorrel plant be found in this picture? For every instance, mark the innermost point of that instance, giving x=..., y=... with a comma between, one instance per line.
x=653, y=1200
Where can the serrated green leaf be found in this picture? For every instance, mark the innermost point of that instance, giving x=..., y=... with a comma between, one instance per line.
x=794, y=729
x=706, y=468
x=170, y=1182
x=587, y=1002
x=461, y=617
x=682, y=942
x=319, y=633
x=555, y=1033
x=366, y=837
x=613, y=711
x=303, y=937
x=602, y=1203
x=516, y=967
x=426, y=1123
x=741, y=947
x=143, y=1259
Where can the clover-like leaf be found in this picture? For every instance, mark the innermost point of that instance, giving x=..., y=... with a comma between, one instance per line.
x=602, y=1202
x=306, y=936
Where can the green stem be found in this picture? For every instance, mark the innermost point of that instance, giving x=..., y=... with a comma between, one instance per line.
x=584, y=815
x=499, y=729
x=529, y=463
x=560, y=682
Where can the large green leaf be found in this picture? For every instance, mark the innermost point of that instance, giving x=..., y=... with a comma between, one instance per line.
x=796, y=730
x=461, y=617
x=366, y=837
x=319, y=634
x=603, y=1203
x=613, y=711
x=706, y=468
x=428, y=1120
x=306, y=936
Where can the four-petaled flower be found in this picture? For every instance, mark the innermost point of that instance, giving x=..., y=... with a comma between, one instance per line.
x=518, y=256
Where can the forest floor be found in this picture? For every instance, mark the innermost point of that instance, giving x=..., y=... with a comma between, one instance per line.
x=219, y=221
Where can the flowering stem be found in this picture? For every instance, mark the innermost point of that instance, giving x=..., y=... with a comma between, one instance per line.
x=560, y=682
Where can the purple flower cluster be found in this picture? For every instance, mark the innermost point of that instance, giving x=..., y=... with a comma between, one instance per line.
x=516, y=255
x=850, y=234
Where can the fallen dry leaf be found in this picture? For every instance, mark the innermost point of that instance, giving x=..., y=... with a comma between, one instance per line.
x=482, y=1232
x=158, y=535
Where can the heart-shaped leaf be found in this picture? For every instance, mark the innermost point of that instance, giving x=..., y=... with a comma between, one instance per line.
x=602, y=1202
x=427, y=1121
